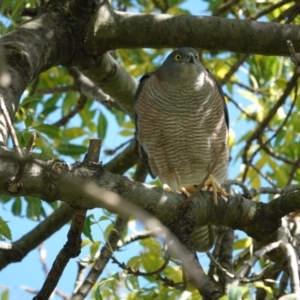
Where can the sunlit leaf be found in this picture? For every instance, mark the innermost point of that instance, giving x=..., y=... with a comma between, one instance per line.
x=242, y=243
x=87, y=231
x=4, y=229
x=102, y=126
x=94, y=248
x=49, y=130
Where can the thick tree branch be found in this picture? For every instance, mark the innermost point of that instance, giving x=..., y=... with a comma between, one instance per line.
x=20, y=248
x=115, y=29
x=108, y=74
x=41, y=232
x=258, y=220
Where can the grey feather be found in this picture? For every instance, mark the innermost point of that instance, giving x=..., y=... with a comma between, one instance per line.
x=182, y=121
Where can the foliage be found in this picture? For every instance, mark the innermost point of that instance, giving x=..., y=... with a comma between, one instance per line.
x=272, y=159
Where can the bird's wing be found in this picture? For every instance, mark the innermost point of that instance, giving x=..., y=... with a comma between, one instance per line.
x=222, y=95
x=136, y=98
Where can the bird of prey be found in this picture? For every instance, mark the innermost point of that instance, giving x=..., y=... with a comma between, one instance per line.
x=182, y=123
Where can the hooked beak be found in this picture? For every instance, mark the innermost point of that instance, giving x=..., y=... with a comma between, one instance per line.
x=191, y=58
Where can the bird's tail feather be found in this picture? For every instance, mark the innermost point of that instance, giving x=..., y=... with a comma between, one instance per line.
x=203, y=238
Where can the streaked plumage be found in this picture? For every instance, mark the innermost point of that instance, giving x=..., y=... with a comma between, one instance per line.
x=182, y=122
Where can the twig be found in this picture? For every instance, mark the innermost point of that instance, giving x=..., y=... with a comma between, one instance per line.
x=79, y=106
x=215, y=253
x=246, y=87
x=288, y=15
x=256, y=256
x=224, y=7
x=293, y=171
x=240, y=108
x=15, y=183
x=70, y=249
x=219, y=267
x=110, y=246
x=31, y=143
x=264, y=144
x=274, y=154
x=113, y=151
x=241, y=184
x=134, y=237
x=137, y=272
x=202, y=183
x=262, y=275
x=270, y=9
x=259, y=130
x=86, y=87
x=73, y=246
x=295, y=57
x=266, y=177
x=10, y=126
x=293, y=268
x=263, y=190
x=234, y=68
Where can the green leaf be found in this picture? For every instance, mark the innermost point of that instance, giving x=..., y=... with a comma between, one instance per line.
x=128, y=125
x=70, y=149
x=98, y=294
x=85, y=242
x=74, y=132
x=104, y=218
x=120, y=116
x=94, y=248
x=87, y=231
x=4, y=229
x=49, y=130
x=5, y=295
x=33, y=210
x=31, y=99
x=102, y=126
x=28, y=121
x=242, y=243
x=17, y=207
x=126, y=132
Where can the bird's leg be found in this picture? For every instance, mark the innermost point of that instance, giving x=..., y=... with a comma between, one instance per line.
x=211, y=182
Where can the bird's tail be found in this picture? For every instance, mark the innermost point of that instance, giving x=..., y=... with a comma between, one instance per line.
x=203, y=238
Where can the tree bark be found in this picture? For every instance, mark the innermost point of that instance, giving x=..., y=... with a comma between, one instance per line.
x=111, y=29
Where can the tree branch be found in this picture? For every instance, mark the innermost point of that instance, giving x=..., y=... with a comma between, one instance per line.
x=114, y=29
x=258, y=220
x=20, y=248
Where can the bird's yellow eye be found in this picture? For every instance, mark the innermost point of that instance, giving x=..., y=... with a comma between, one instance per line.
x=197, y=56
x=178, y=57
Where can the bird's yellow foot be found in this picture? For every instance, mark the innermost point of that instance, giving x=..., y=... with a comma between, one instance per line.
x=167, y=188
x=184, y=191
x=211, y=182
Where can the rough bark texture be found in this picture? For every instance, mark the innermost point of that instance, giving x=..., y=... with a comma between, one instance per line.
x=258, y=220
x=113, y=29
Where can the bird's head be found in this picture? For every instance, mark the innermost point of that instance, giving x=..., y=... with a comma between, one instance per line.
x=182, y=65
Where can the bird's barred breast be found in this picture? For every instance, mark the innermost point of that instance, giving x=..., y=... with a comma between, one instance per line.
x=182, y=133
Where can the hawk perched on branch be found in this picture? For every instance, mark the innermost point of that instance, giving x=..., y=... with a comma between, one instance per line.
x=182, y=123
